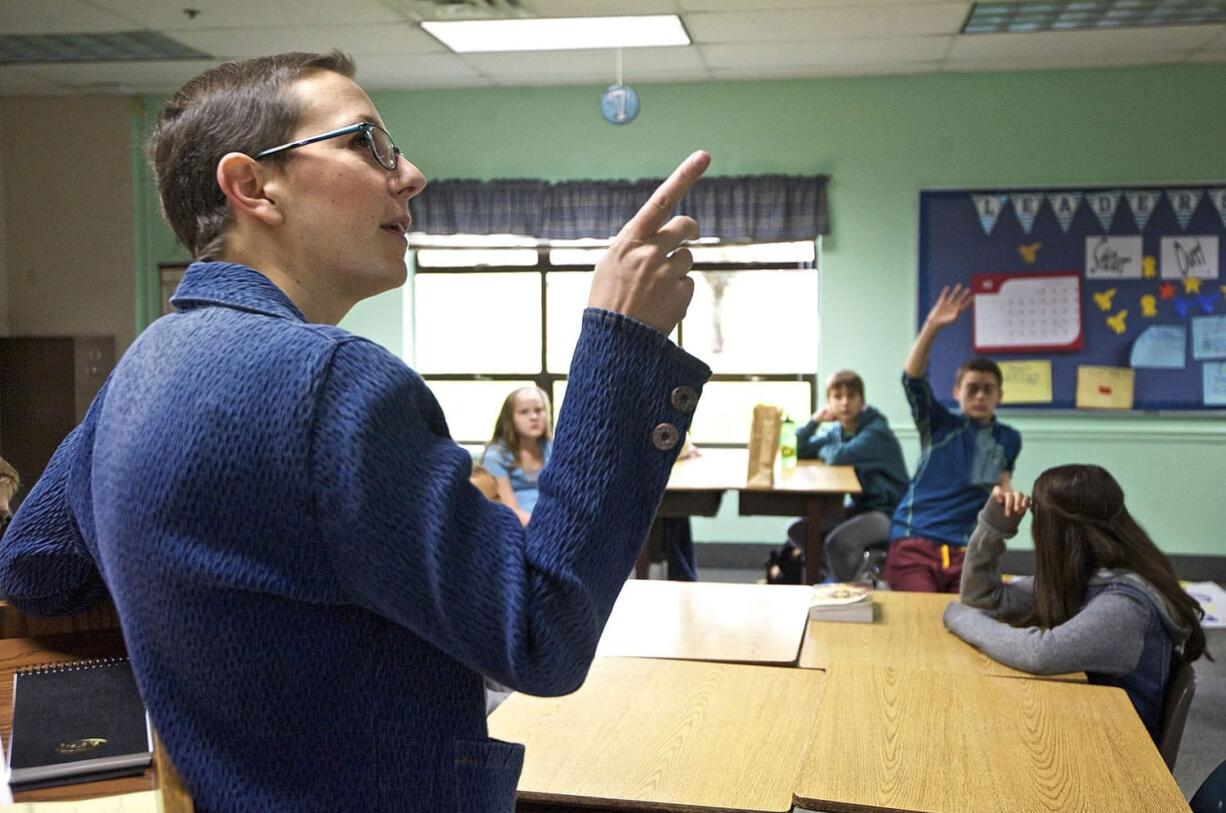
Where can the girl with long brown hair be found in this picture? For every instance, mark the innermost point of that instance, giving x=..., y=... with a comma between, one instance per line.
x=1103, y=600
x=520, y=448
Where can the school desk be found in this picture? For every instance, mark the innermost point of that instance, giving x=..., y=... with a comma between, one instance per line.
x=904, y=740
x=645, y=733
x=811, y=490
x=907, y=632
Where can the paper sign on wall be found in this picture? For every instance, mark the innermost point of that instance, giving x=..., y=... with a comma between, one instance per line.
x=1024, y=313
x=1215, y=383
x=1160, y=346
x=1105, y=387
x=1192, y=255
x=1026, y=382
x=1208, y=337
x=1113, y=257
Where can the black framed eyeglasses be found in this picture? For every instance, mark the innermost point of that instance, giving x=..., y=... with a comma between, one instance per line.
x=378, y=140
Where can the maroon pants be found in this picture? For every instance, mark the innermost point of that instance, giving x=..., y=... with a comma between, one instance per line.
x=923, y=566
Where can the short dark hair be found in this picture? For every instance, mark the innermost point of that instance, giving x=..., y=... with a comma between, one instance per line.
x=849, y=380
x=238, y=106
x=979, y=364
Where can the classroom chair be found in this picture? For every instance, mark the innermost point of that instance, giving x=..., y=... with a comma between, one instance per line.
x=1211, y=797
x=1175, y=713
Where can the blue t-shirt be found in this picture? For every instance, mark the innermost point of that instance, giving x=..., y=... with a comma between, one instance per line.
x=960, y=461
x=499, y=462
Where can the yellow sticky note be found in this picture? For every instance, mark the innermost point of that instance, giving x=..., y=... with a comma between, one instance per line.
x=1026, y=382
x=1104, y=387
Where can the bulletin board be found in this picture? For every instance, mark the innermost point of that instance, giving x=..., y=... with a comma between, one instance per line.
x=1091, y=298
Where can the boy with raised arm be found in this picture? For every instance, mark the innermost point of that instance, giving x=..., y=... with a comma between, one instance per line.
x=962, y=457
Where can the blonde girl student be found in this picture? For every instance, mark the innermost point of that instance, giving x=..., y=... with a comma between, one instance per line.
x=1103, y=600
x=520, y=448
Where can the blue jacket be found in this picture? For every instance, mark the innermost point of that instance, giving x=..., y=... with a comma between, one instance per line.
x=872, y=449
x=960, y=461
x=309, y=588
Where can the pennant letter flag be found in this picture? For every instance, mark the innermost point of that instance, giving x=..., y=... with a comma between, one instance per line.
x=1142, y=202
x=1103, y=205
x=1026, y=207
x=988, y=207
x=1064, y=204
x=1183, y=201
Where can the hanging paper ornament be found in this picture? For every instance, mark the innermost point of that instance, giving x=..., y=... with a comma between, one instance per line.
x=619, y=104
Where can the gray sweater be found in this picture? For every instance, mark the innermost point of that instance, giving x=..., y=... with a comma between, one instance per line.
x=1106, y=635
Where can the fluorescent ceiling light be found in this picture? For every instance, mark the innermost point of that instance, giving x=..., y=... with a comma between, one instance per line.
x=559, y=33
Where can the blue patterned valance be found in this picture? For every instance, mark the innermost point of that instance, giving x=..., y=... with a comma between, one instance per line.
x=757, y=208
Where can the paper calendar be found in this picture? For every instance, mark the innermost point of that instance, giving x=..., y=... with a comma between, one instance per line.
x=1026, y=313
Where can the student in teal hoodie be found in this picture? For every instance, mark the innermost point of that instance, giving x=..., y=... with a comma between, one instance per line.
x=861, y=437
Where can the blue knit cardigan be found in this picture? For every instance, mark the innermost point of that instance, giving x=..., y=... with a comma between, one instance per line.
x=309, y=588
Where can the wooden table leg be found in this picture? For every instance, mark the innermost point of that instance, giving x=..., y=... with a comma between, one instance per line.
x=813, y=540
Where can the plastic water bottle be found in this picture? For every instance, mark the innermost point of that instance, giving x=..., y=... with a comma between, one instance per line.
x=787, y=444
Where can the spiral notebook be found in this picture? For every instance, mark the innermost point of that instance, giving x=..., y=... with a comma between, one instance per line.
x=77, y=722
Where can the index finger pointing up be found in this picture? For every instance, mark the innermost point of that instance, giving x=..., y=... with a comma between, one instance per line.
x=657, y=210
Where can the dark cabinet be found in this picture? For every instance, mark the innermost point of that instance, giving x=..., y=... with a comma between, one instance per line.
x=46, y=386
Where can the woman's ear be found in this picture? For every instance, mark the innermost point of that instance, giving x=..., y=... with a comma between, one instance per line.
x=244, y=182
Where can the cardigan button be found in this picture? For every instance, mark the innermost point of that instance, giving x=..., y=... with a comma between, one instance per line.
x=684, y=399
x=665, y=436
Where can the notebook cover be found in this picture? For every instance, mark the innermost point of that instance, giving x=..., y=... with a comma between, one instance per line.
x=77, y=719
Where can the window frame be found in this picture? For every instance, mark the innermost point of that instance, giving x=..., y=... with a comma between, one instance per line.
x=544, y=378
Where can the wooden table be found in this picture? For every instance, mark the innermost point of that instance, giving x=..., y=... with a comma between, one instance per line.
x=666, y=734
x=811, y=490
x=21, y=653
x=902, y=740
x=16, y=624
x=746, y=623
x=906, y=633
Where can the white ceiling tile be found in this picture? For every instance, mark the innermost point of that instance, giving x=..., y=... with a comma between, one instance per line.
x=828, y=23
x=818, y=71
x=828, y=52
x=1170, y=42
x=58, y=17
x=160, y=14
x=599, y=8
x=122, y=77
x=416, y=71
x=357, y=40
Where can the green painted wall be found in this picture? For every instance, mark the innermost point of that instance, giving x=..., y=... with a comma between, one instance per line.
x=881, y=139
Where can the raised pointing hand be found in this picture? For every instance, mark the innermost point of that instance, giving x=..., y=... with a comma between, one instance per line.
x=644, y=274
x=949, y=306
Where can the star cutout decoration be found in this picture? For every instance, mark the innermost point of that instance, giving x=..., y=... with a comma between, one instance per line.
x=1167, y=291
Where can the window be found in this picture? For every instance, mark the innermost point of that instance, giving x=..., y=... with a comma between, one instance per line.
x=490, y=314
